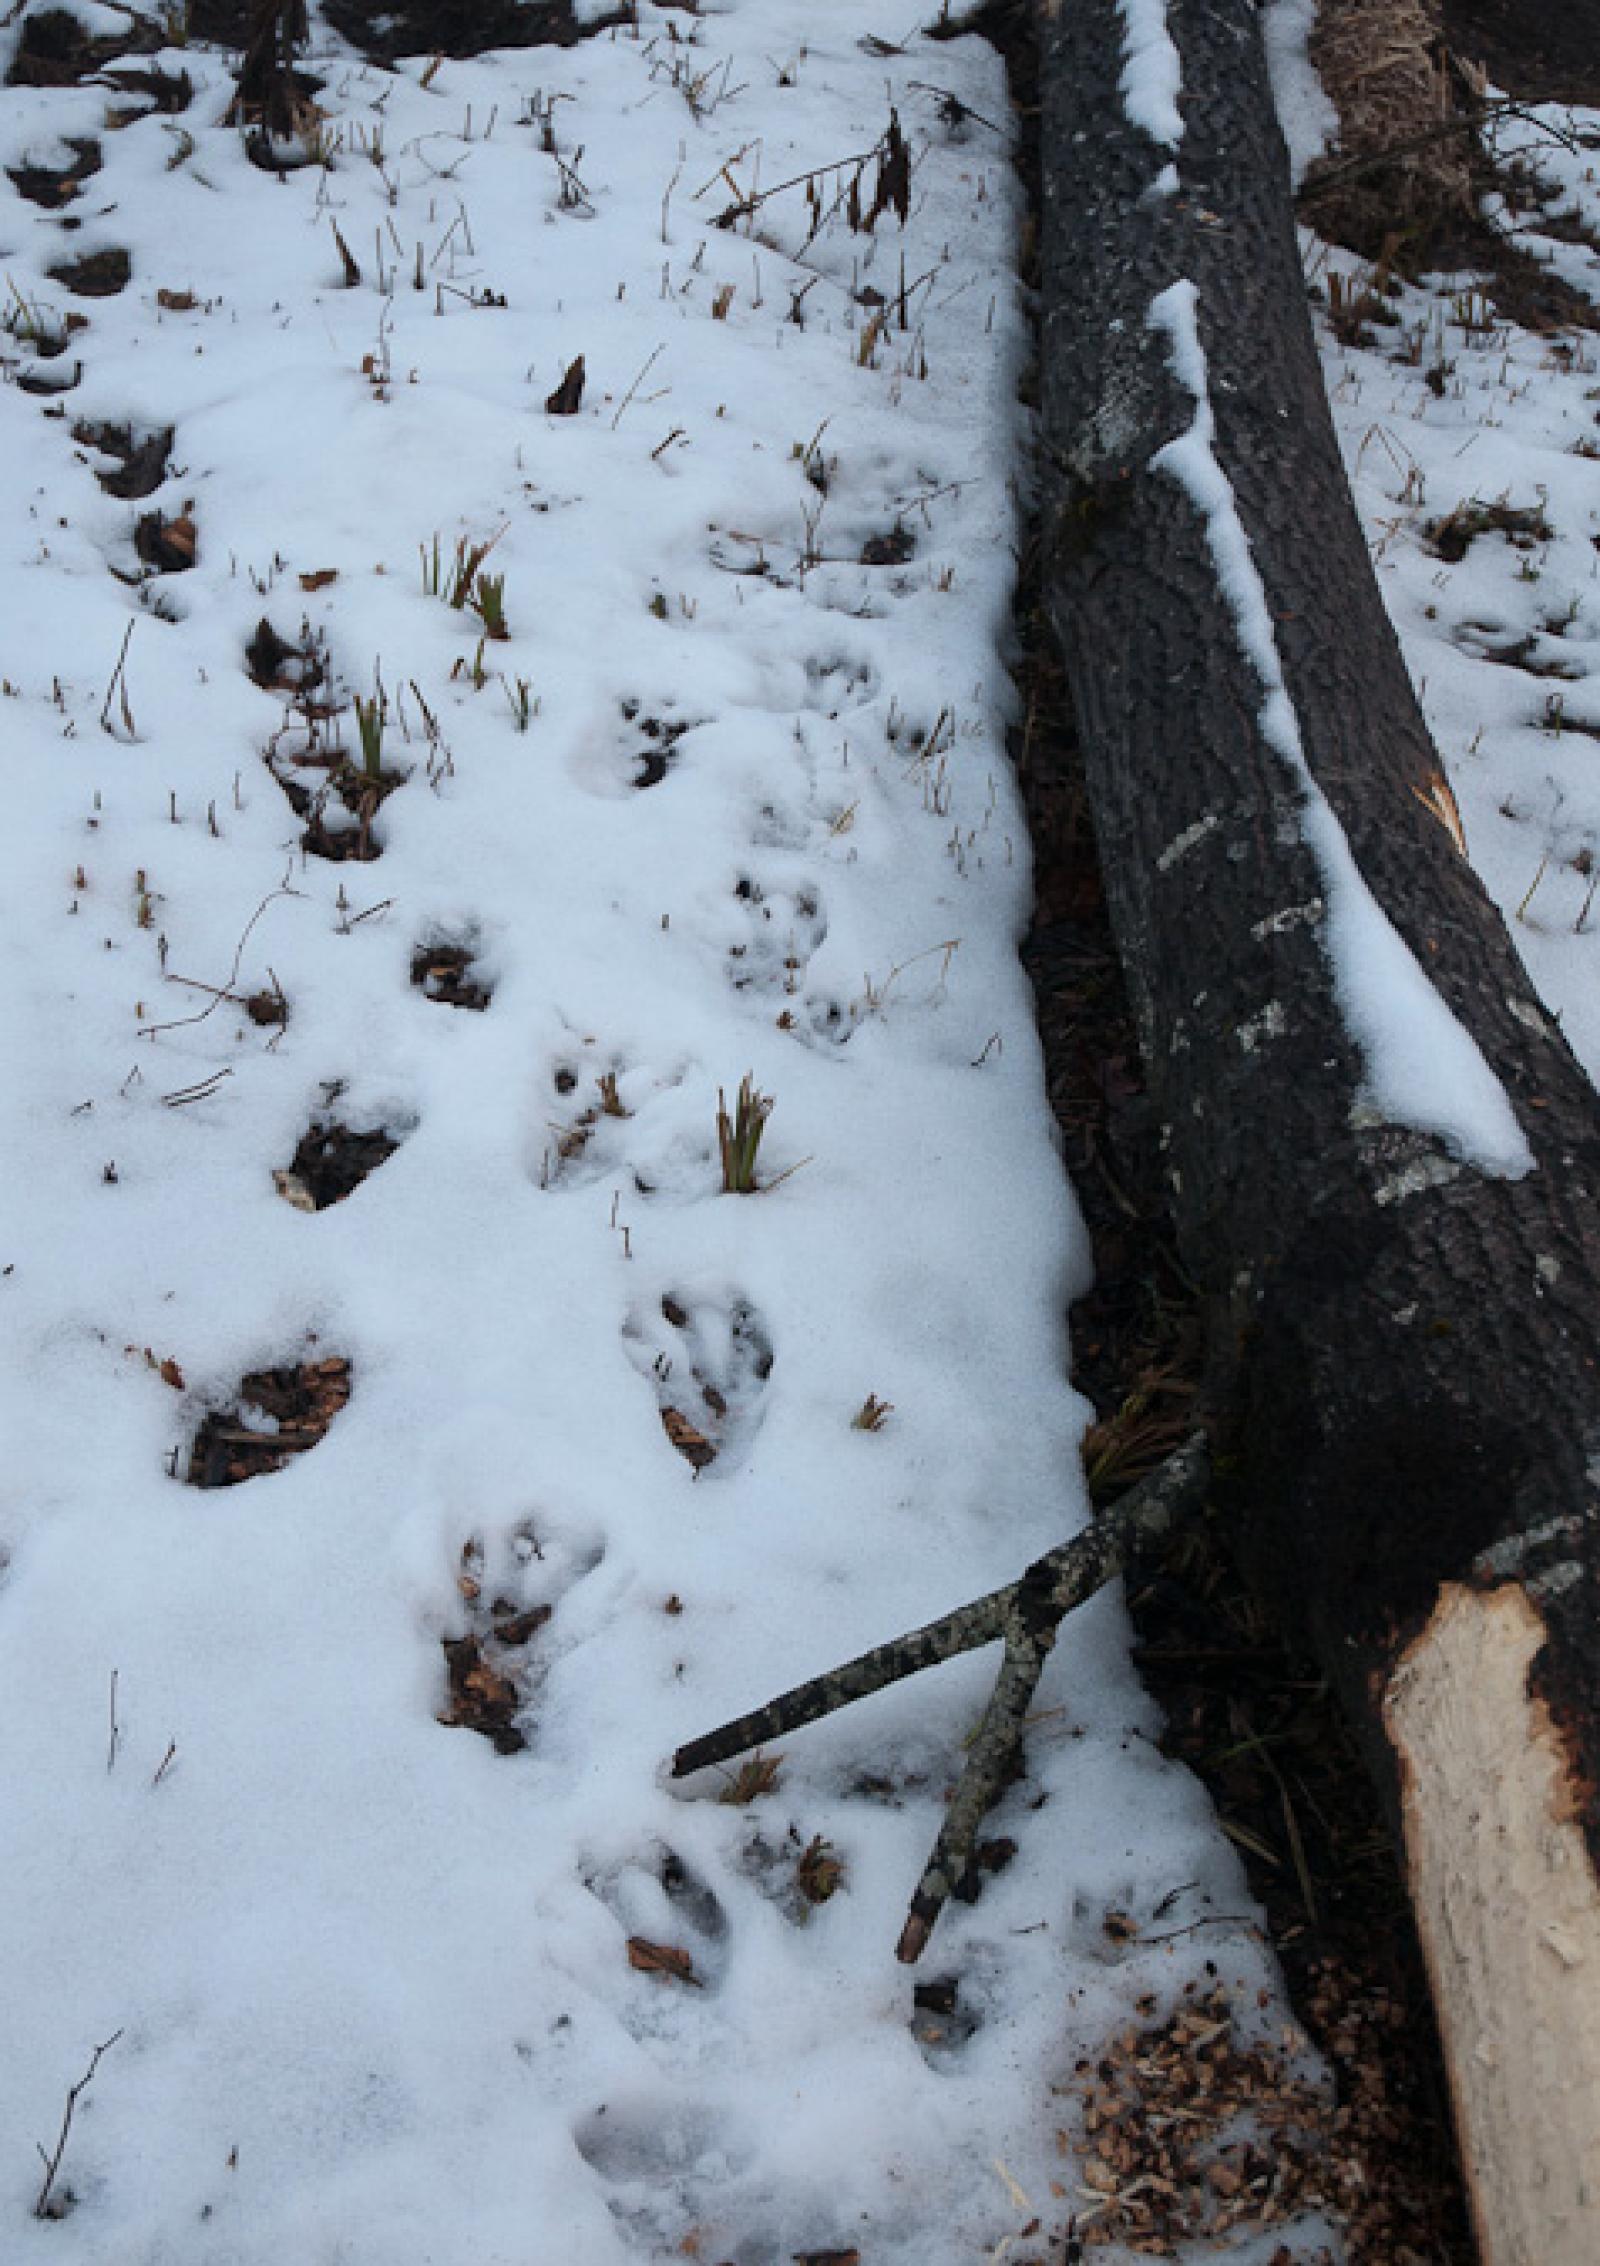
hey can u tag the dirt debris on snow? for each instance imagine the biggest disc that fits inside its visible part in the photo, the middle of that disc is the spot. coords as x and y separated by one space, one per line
444 972
488 1664
330 1162
279 1414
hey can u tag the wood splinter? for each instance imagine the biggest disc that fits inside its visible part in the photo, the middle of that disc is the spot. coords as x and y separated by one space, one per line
1027 1615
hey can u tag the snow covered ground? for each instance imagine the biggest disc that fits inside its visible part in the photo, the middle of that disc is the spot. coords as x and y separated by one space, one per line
482 905
1473 449
334 1789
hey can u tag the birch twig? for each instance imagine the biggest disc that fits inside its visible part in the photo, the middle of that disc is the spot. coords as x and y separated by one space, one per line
1027 1615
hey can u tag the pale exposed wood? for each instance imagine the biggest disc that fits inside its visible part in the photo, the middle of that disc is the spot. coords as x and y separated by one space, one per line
1508 1907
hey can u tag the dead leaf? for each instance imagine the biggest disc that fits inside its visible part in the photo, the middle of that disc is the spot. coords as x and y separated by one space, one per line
168 1370
176 302
481 1699
320 579
664 1959
167 545
567 399
827 2258
818 1874
690 1443
517 1628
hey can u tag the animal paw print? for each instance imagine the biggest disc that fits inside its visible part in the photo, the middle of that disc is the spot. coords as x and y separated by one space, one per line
1543 651
637 750
839 682
507 1589
583 1141
674 1923
651 743
709 1363
798 1873
619 1123
779 931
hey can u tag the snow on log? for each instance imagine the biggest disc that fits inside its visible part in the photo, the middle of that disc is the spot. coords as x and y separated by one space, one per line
1384 1162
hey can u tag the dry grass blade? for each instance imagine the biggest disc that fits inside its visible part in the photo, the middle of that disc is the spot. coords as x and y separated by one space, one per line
758 1774
819 1872
1384 66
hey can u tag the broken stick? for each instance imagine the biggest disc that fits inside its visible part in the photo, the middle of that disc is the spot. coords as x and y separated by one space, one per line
1027 1615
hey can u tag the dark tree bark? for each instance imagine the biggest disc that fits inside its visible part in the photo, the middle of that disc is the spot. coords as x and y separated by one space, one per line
1403 1351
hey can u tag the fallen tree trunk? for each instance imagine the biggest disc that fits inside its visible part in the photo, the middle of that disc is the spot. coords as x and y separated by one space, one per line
1384 1162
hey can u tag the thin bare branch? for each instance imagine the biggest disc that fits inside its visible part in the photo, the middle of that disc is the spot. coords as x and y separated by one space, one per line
1027 1614
45 2206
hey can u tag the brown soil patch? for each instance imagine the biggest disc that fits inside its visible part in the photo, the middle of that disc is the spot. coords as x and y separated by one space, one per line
893 548
339 811
98 275
142 464
49 381
482 1699
444 972
330 1163
56 185
300 1403
1525 527
47 337
273 663
167 546
340 845
388 29
56 50
484 1665
166 92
